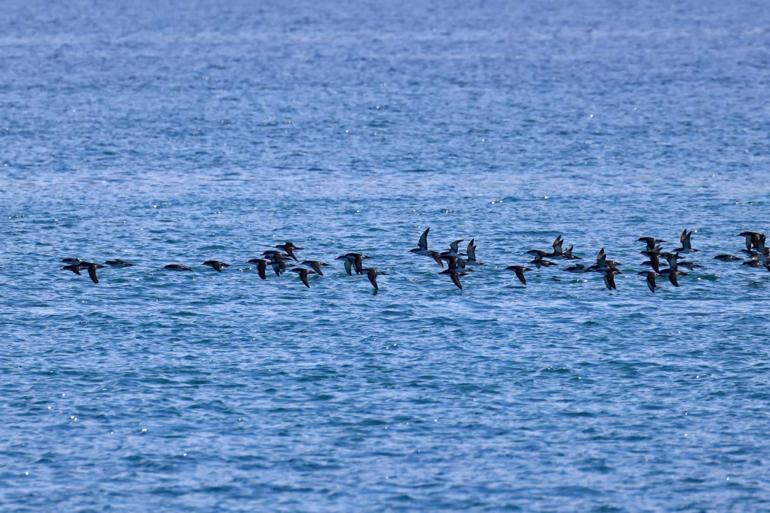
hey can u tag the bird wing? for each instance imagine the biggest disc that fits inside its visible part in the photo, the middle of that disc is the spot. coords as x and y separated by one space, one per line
672 278
520 276
557 245
456 280
423 242
471 251
651 282
261 268
303 277
601 256
655 263
372 275
92 273
609 279
349 267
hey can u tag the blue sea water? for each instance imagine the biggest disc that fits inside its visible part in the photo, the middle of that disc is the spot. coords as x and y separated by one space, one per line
163 132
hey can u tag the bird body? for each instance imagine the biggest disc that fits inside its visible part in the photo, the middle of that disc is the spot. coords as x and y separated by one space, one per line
216 265
177 267
118 263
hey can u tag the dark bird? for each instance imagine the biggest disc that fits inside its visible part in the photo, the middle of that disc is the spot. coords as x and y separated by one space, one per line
454 248
609 278
672 259
538 253
519 270
177 267
686 242
436 256
455 262
602 263
75 268
673 275
653 262
353 261
726 258
455 275
315 265
539 262
70 261
577 268
753 261
303 274
471 252
557 247
261 264
92 267
270 253
655 250
651 242
372 274
422 244
752 238
278 263
567 255
216 265
650 275
288 247
118 263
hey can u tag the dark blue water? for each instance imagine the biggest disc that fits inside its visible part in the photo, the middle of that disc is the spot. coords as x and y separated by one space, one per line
162 132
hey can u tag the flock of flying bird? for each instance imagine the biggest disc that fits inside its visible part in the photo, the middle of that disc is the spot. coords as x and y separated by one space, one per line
456 264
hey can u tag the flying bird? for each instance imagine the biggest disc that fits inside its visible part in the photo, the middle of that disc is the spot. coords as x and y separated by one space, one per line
303 274
422 244
353 261
471 253
315 265
609 278
261 264
372 274
519 270
650 278
289 248
455 275
686 242
216 265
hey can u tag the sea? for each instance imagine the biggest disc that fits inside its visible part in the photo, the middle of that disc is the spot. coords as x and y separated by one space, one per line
185 131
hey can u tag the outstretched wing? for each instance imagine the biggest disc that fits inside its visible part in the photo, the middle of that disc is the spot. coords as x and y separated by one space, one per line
651 282
372 275
471 250
672 277
92 273
423 242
